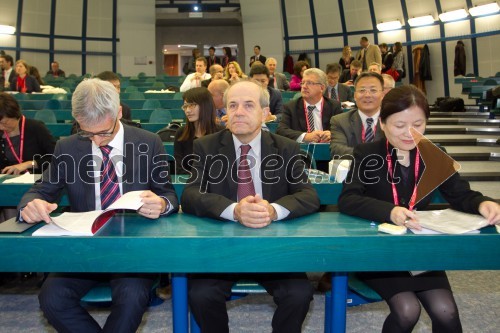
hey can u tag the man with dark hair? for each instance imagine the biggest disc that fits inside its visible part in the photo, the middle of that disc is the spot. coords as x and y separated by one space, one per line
115 81
55 71
335 90
387 57
8 72
212 59
349 75
369 53
257 56
260 74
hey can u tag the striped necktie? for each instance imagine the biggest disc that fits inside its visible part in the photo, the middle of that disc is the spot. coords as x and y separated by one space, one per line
333 94
245 182
310 118
369 136
110 190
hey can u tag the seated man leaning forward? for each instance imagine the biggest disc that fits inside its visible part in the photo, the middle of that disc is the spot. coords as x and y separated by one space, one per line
132 160
244 192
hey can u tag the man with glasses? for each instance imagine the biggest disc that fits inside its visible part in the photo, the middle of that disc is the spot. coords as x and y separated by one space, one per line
335 90
96 166
307 118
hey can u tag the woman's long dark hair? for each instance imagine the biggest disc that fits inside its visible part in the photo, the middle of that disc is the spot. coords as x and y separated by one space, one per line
206 118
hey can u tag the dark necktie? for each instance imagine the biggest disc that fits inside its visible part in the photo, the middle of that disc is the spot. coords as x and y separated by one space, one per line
310 118
333 94
369 136
245 182
110 190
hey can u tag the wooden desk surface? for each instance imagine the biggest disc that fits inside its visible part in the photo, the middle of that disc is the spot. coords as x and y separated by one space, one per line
183 243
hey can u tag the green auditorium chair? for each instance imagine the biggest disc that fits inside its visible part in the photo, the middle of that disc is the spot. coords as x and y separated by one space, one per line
52 104
160 116
46 116
151 104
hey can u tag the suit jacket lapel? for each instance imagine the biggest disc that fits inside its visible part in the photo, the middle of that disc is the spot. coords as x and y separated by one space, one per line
299 108
84 148
268 148
129 151
227 150
356 126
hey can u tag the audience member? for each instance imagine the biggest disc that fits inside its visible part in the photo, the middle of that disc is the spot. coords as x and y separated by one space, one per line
251 199
307 118
335 90
193 80
8 72
369 53
375 67
115 81
55 71
276 80
212 59
348 76
24 83
298 70
347 58
260 74
389 83
233 73
399 60
228 57
33 71
200 121
257 56
191 67
216 73
359 125
102 142
397 157
217 89
459 63
387 57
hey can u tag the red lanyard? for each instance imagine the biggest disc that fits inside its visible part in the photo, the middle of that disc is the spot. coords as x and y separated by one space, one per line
19 157
320 112
394 190
363 132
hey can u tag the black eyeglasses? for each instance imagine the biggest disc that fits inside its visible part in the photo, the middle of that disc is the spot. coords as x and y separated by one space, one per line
88 135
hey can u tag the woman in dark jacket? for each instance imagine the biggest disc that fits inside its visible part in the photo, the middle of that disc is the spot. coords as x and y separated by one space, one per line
24 83
396 164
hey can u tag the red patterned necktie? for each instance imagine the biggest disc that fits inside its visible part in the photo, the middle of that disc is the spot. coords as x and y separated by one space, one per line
110 190
245 182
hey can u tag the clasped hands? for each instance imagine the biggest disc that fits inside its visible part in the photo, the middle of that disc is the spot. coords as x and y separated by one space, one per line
318 136
254 212
39 210
17 169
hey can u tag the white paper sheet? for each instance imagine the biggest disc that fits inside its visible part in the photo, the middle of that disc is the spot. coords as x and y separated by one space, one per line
450 221
26 178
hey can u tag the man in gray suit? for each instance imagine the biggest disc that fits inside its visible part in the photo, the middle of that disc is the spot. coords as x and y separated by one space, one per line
351 128
335 90
278 80
132 158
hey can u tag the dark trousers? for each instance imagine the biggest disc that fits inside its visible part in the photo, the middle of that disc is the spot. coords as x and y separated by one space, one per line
61 293
291 292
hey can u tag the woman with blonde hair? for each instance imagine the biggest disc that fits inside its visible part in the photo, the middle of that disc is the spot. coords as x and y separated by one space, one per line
345 60
24 83
233 72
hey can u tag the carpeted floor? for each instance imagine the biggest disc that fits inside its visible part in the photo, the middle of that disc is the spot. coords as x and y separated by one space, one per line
477 294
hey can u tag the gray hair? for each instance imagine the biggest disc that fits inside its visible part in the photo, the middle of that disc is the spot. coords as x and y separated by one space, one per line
93 101
263 98
319 74
389 79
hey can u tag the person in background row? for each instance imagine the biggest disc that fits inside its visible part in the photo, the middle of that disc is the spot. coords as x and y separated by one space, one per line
257 56
245 195
115 81
387 57
55 71
347 58
389 83
212 59
375 67
36 74
24 83
459 64
193 80
7 71
233 73
399 60
369 53
191 67
398 166
216 73
348 76
260 74
200 121
276 80
335 90
228 57
298 70
103 161
217 89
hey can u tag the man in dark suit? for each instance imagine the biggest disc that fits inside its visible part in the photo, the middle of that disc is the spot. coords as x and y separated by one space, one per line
276 80
348 76
140 163
8 72
260 73
257 56
212 59
216 73
55 71
296 122
349 129
253 195
334 90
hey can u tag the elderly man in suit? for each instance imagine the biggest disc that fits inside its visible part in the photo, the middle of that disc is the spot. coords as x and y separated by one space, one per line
369 53
335 90
359 125
96 166
307 118
254 189
277 80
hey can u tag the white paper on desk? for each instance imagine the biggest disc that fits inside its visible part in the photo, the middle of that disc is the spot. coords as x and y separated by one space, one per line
26 178
81 224
450 221
426 231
